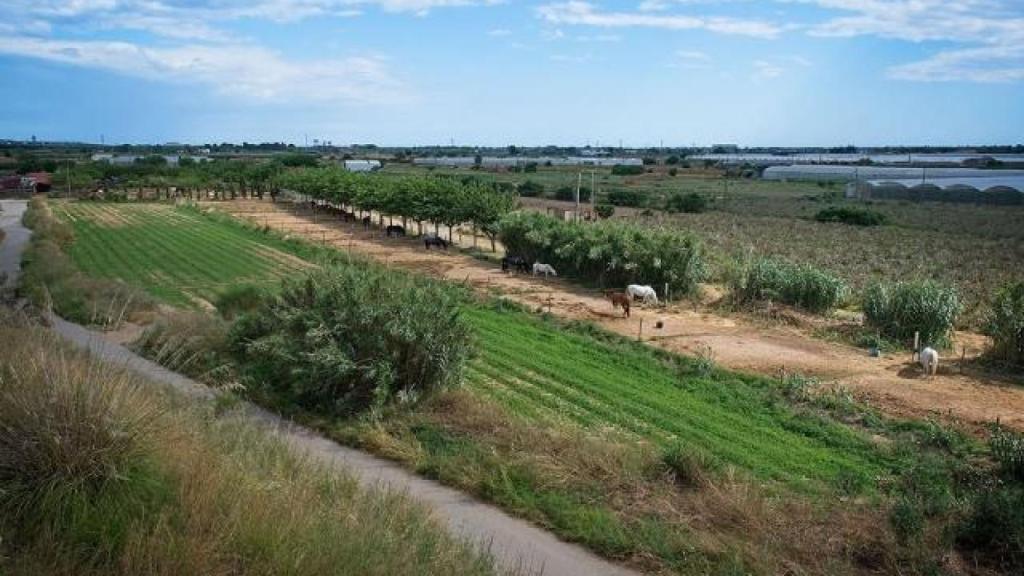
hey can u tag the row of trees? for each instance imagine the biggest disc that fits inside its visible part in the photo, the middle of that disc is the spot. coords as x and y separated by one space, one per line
437 200
608 252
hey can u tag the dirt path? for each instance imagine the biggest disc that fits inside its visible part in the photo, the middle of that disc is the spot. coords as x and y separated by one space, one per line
891 383
13 243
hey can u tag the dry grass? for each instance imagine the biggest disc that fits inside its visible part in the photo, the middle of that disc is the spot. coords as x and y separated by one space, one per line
723 521
100 474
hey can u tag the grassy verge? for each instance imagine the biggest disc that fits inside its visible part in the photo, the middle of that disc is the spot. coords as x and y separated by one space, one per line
138 482
664 462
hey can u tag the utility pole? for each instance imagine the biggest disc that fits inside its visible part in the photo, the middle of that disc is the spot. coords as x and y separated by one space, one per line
593 192
579 182
69 179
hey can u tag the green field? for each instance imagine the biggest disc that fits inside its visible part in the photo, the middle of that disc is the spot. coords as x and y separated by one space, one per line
546 373
534 368
579 430
177 255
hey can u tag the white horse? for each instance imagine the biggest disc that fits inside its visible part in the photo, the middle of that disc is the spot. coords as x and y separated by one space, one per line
545 269
929 359
645 293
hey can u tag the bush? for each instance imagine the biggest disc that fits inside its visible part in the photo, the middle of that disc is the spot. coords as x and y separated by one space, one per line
347 338
1007 448
627 170
994 528
608 252
900 309
238 299
568 194
800 285
631 198
850 215
1006 325
605 211
193 343
691 467
691 203
530 189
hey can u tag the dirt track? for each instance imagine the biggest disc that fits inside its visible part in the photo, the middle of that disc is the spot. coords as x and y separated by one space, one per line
892 383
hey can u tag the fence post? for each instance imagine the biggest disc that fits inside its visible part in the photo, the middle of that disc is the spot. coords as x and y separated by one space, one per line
640 334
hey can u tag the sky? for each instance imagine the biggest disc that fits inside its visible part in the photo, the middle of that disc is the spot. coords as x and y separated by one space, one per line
496 72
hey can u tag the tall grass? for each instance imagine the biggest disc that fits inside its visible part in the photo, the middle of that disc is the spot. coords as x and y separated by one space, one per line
800 285
1006 325
100 475
902 308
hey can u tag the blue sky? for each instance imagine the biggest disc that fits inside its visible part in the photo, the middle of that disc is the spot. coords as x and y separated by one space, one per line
495 72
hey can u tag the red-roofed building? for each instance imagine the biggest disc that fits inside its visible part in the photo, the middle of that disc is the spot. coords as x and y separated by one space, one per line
40 181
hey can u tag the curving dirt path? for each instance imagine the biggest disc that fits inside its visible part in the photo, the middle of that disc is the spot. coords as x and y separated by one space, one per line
516 544
892 383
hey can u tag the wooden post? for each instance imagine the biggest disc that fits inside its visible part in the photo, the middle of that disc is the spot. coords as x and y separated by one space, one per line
917 346
640 333
963 357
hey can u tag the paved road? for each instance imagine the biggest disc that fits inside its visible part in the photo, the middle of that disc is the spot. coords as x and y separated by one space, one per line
515 543
14 242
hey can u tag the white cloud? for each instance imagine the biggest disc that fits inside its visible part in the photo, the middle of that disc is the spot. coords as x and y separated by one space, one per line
765 70
990 34
245 71
499 32
987 64
691 60
653 6
577 12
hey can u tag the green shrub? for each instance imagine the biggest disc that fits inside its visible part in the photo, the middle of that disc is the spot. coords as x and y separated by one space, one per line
238 299
193 343
605 211
1007 448
993 531
627 170
632 198
347 338
530 189
851 215
568 194
691 203
610 252
898 310
1006 325
690 466
800 285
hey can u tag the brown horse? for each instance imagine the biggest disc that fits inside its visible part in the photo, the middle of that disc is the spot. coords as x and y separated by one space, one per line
619 299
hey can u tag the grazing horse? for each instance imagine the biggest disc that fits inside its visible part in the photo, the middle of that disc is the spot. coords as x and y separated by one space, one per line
366 222
645 293
394 230
619 299
434 240
545 269
519 264
929 359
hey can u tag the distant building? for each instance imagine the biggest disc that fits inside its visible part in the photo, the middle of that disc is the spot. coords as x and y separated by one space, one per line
38 181
129 159
362 165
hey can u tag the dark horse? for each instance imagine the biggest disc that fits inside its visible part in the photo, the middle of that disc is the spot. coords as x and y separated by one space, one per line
520 264
433 240
394 230
619 299
366 222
